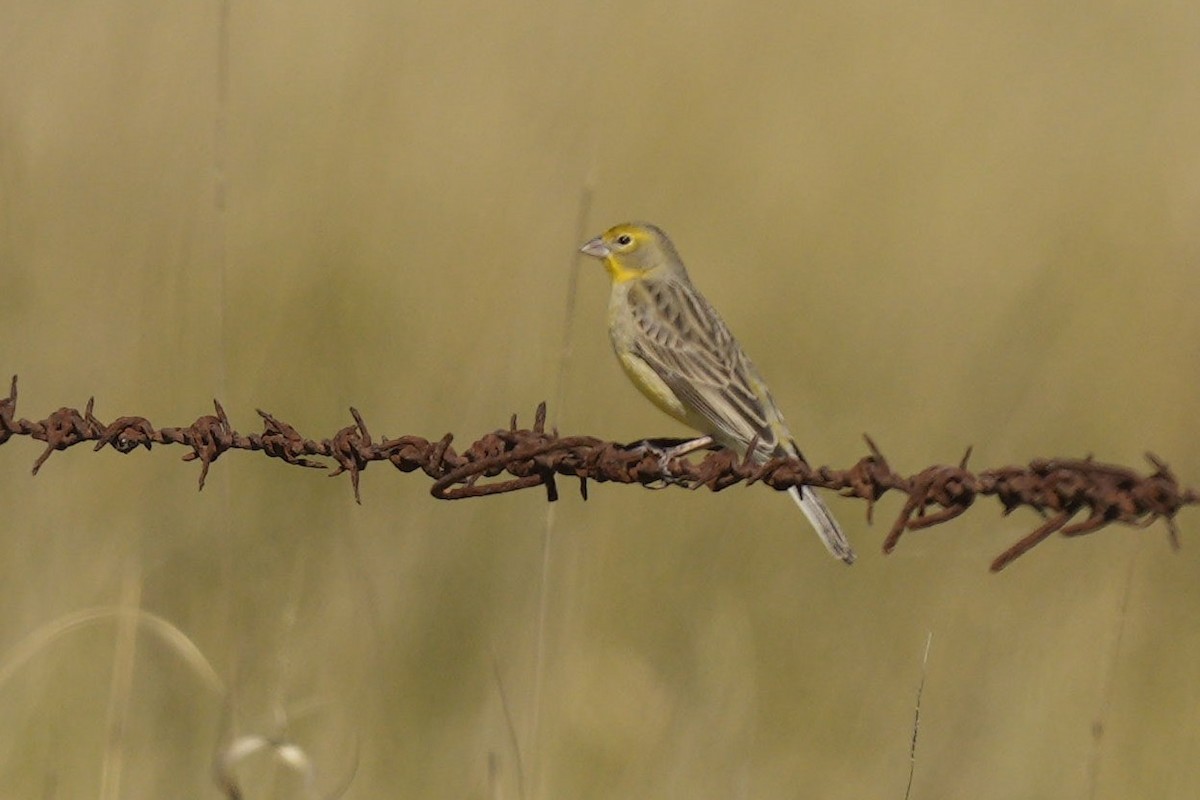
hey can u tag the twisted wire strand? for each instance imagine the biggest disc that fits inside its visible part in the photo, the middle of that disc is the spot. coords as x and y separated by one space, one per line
515 458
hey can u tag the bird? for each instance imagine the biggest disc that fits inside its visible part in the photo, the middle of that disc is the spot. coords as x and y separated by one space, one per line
679 352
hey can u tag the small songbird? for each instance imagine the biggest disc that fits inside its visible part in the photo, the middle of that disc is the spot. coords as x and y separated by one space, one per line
678 351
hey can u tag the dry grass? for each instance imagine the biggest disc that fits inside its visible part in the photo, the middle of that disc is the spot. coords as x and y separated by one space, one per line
974 224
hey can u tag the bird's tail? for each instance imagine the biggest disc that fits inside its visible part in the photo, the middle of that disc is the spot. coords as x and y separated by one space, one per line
823 522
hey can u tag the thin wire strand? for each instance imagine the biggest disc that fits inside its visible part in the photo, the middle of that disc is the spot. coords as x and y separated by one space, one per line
1060 489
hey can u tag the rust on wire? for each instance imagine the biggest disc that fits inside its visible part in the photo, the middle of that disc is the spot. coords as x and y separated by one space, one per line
516 458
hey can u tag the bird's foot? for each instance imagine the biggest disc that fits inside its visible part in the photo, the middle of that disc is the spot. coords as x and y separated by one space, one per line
666 455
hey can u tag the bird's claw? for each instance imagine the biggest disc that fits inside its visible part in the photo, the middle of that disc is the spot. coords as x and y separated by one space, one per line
664 456
669 478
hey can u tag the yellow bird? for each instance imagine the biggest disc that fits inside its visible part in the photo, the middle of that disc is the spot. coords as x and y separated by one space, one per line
678 351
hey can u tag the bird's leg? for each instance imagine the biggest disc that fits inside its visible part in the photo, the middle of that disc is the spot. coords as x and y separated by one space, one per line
681 450
667 454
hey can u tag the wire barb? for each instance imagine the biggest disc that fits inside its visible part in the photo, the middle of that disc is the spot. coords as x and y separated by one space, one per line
515 458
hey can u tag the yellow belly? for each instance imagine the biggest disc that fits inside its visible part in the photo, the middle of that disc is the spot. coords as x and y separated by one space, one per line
649 384
647 380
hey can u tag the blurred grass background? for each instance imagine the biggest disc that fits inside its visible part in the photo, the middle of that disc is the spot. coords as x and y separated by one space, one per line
941 224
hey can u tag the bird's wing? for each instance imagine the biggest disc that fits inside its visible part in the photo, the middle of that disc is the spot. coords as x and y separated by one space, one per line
690 348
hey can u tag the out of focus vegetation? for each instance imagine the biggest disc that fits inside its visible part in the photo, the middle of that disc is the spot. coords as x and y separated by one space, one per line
941 224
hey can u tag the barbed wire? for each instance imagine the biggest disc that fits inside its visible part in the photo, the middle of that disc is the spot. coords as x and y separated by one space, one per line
1058 488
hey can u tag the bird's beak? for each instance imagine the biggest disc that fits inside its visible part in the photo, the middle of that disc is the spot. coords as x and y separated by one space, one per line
596 248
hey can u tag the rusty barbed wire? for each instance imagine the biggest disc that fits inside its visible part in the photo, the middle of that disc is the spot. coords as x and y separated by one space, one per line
1060 489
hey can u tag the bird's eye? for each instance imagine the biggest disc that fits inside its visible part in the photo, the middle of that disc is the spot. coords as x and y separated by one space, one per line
624 240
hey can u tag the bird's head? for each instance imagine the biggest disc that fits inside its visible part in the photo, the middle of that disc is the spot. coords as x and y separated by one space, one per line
633 250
